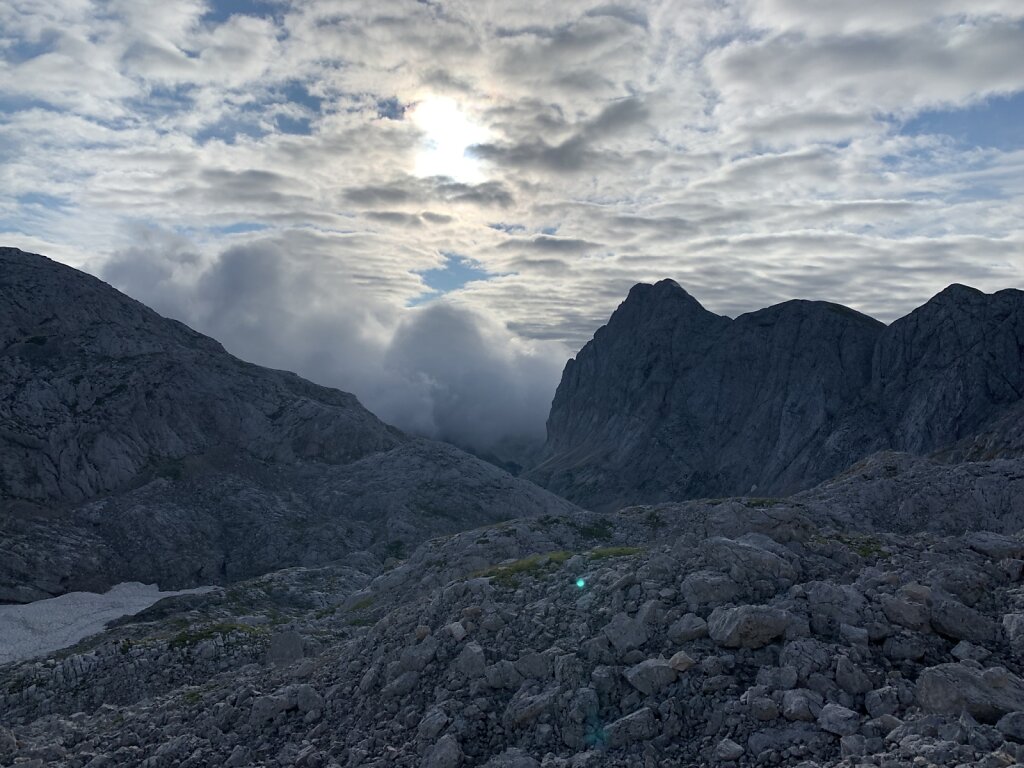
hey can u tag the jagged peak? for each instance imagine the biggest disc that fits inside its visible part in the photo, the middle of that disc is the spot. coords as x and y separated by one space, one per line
663 290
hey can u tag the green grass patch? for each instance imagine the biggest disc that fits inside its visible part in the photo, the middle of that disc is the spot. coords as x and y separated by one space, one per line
363 604
190 637
604 552
758 502
599 529
509 574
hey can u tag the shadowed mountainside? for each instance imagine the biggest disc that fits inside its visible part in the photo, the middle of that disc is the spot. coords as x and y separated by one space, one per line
134 448
670 401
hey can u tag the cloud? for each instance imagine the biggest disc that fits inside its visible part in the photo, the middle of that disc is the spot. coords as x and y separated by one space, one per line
441 370
254 173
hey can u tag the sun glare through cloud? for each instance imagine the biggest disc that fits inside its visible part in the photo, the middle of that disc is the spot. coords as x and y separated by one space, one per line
448 137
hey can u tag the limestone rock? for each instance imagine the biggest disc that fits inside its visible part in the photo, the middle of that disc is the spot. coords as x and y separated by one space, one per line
986 694
802 390
747 626
651 675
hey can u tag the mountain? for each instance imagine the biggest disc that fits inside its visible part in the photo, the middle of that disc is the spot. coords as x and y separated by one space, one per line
669 401
134 448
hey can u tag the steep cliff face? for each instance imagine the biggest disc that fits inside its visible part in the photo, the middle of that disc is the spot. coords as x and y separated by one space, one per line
949 367
96 390
134 448
670 401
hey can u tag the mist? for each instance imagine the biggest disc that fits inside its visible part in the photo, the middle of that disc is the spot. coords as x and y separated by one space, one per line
437 370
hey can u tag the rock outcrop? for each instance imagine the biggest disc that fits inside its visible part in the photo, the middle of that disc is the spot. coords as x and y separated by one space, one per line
670 401
135 449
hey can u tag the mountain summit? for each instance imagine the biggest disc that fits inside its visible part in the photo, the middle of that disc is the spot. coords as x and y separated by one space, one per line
670 401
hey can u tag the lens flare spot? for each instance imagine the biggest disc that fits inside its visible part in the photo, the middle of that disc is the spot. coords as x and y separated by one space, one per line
581 583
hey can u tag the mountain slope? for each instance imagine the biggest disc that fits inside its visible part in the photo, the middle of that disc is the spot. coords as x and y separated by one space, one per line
133 448
669 401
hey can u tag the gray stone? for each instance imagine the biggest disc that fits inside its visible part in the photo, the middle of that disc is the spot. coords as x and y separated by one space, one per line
801 704
267 708
954 619
285 648
986 694
470 662
748 626
651 676
1012 726
402 685
838 720
882 701
625 633
308 700
728 751
446 753
689 627
240 756
636 726
850 677
431 724
512 758
994 545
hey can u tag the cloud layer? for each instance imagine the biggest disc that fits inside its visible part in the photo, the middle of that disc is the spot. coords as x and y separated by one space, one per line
258 170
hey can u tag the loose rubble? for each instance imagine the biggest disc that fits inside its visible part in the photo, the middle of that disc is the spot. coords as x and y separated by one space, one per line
733 633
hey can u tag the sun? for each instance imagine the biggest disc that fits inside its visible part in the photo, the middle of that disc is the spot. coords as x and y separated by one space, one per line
447 135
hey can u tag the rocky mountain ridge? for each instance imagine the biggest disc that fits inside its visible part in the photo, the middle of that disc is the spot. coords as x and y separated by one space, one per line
135 449
670 401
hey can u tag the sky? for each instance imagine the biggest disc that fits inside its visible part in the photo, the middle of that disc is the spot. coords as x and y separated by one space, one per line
433 204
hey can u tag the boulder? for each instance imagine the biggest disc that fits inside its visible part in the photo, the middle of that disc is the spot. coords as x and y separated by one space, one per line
636 726
651 676
446 753
728 751
1012 726
838 720
986 694
748 626
689 627
625 633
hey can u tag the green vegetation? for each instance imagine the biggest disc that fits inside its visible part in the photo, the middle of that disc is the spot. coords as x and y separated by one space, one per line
509 574
758 502
192 697
363 604
604 552
599 529
653 520
193 636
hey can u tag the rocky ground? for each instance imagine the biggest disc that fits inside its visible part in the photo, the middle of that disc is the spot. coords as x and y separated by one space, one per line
749 633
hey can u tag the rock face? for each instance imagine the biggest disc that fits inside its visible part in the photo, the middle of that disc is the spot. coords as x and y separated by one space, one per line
670 401
135 449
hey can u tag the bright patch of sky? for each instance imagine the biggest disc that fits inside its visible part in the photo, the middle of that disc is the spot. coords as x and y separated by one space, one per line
457 272
996 122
